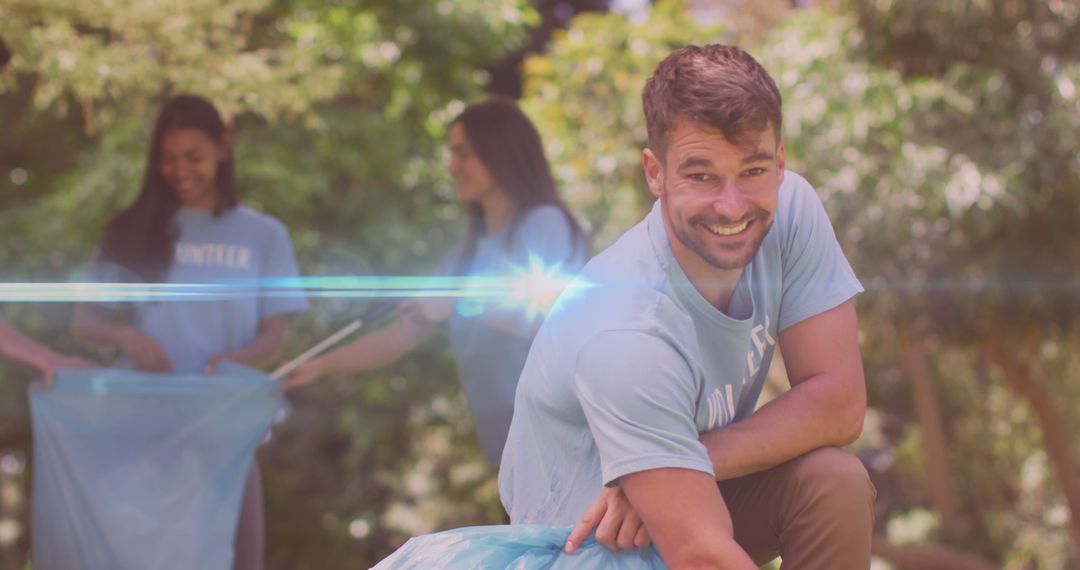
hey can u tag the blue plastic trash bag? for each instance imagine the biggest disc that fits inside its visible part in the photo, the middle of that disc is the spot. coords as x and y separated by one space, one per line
144 471
513 547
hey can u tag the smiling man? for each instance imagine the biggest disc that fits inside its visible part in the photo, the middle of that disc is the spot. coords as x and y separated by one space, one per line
636 413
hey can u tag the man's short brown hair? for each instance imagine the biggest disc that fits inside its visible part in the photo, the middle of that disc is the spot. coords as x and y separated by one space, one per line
720 86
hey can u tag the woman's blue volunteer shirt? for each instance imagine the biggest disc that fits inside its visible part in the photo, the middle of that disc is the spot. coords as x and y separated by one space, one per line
626 373
241 244
489 360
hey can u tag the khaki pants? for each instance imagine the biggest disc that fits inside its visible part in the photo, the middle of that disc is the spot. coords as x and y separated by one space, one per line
250 528
815 511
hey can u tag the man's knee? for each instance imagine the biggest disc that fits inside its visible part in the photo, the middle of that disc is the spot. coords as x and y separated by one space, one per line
833 478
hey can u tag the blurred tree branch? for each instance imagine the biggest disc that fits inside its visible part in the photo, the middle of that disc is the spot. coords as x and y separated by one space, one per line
5 55
927 557
939 476
1023 377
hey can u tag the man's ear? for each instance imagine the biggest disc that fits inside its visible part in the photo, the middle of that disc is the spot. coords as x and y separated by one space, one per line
654 172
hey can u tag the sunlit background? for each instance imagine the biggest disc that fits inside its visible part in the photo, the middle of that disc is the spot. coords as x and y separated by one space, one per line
941 134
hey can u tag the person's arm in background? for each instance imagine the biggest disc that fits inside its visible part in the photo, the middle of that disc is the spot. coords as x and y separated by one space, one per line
90 326
514 321
94 325
547 258
262 350
277 260
19 349
510 320
524 318
372 351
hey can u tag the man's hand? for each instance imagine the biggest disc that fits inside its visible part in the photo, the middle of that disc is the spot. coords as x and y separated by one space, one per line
145 353
617 526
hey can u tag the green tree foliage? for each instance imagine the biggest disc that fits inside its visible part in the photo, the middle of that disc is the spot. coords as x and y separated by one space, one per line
930 182
104 55
340 111
269 58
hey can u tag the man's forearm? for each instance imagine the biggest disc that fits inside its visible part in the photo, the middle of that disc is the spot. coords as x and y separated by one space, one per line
814 413
687 518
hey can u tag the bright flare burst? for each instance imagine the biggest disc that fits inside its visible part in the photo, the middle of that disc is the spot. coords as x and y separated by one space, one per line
536 287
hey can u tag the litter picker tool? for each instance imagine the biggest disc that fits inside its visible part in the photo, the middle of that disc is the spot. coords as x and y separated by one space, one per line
374 314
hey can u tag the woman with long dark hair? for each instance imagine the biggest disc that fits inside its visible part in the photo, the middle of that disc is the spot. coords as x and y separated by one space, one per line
187 226
515 215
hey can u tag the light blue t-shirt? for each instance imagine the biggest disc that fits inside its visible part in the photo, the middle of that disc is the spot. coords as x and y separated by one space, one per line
241 244
629 370
488 360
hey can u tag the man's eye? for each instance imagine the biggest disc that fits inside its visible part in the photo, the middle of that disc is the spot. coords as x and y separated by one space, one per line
755 172
699 177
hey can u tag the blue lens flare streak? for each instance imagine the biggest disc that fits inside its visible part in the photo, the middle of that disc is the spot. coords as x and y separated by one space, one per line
532 288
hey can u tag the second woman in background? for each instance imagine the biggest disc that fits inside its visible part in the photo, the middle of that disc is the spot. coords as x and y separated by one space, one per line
515 215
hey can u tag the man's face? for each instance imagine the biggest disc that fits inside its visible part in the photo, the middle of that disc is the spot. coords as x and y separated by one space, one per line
718 198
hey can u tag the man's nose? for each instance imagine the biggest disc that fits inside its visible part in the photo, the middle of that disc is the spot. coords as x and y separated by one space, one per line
729 202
